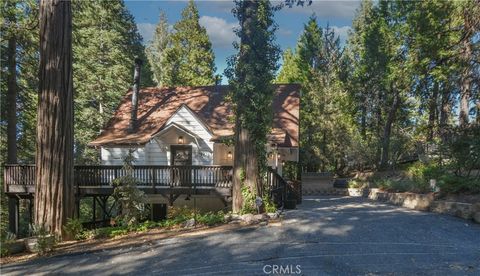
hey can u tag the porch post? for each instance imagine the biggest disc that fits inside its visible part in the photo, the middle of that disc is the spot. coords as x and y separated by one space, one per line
13 214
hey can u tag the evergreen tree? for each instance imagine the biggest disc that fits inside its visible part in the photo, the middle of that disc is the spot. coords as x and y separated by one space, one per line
106 42
250 74
190 59
157 48
289 72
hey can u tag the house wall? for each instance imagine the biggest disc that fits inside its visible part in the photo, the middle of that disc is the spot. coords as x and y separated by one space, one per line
115 156
220 154
157 151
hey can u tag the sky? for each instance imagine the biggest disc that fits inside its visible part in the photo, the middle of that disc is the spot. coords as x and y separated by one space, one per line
216 17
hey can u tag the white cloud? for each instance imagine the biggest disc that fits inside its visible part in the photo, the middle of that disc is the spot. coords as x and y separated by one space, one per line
342 32
146 30
327 9
219 30
284 32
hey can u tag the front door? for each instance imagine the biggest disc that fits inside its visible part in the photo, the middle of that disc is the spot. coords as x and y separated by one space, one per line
181 159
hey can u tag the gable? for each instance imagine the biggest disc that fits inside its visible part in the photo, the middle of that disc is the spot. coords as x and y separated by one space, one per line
157 107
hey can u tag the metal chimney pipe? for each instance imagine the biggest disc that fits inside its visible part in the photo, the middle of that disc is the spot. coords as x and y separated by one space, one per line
135 92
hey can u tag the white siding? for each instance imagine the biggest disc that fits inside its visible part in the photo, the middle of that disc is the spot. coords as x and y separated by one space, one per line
115 156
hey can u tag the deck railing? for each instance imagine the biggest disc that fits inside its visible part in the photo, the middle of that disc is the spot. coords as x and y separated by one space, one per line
97 176
278 187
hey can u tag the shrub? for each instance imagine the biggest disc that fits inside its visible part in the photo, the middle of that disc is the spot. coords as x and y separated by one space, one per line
453 184
45 241
211 218
356 183
5 239
74 228
132 199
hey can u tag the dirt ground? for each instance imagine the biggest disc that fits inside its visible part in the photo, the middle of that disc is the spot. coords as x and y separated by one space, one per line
130 240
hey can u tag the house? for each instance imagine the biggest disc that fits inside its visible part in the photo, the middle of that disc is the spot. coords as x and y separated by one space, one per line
191 126
191 130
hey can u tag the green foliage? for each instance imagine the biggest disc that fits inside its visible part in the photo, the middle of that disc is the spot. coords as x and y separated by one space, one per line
189 60
211 218
131 199
248 206
251 73
45 241
74 228
454 184
289 72
5 239
105 43
156 51
356 183
268 204
291 170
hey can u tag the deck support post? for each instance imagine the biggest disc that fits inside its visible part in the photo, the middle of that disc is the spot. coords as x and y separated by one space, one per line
94 211
13 214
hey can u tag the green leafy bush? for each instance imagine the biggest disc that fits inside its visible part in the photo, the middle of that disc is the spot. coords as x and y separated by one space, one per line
356 183
453 184
132 199
74 228
5 239
211 218
45 241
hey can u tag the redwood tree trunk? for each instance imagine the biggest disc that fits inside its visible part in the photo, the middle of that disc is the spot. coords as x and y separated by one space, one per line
12 100
54 156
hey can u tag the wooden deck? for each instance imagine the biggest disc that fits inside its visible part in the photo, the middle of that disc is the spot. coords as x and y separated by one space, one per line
19 180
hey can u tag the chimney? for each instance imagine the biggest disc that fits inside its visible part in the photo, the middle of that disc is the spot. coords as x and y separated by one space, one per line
135 92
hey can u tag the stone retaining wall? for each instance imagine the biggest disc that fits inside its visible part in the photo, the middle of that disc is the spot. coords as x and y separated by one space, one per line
427 202
421 202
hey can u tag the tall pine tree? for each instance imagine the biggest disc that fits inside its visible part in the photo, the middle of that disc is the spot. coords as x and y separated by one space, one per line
190 59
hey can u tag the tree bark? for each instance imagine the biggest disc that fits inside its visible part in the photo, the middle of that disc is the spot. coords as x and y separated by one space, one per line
466 79
238 167
11 99
388 129
54 198
432 112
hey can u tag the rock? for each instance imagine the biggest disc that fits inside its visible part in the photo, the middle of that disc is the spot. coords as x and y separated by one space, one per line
248 218
273 215
227 217
263 223
189 223
476 207
476 217
260 217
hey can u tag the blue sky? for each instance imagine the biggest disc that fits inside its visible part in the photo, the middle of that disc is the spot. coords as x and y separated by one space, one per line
216 17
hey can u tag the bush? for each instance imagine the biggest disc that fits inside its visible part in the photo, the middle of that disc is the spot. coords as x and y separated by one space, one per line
5 239
74 228
211 218
453 184
356 183
132 200
45 241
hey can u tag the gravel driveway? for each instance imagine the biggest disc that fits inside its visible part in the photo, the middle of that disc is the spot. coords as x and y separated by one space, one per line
324 236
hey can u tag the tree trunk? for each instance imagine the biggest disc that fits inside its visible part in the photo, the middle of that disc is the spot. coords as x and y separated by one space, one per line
238 167
465 79
11 99
432 112
388 129
54 196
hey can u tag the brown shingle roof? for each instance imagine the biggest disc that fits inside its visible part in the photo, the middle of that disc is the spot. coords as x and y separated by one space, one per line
157 105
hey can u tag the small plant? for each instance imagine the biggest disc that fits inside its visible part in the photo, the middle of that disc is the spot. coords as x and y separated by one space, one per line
355 183
269 205
211 218
132 199
6 239
248 201
74 228
43 241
